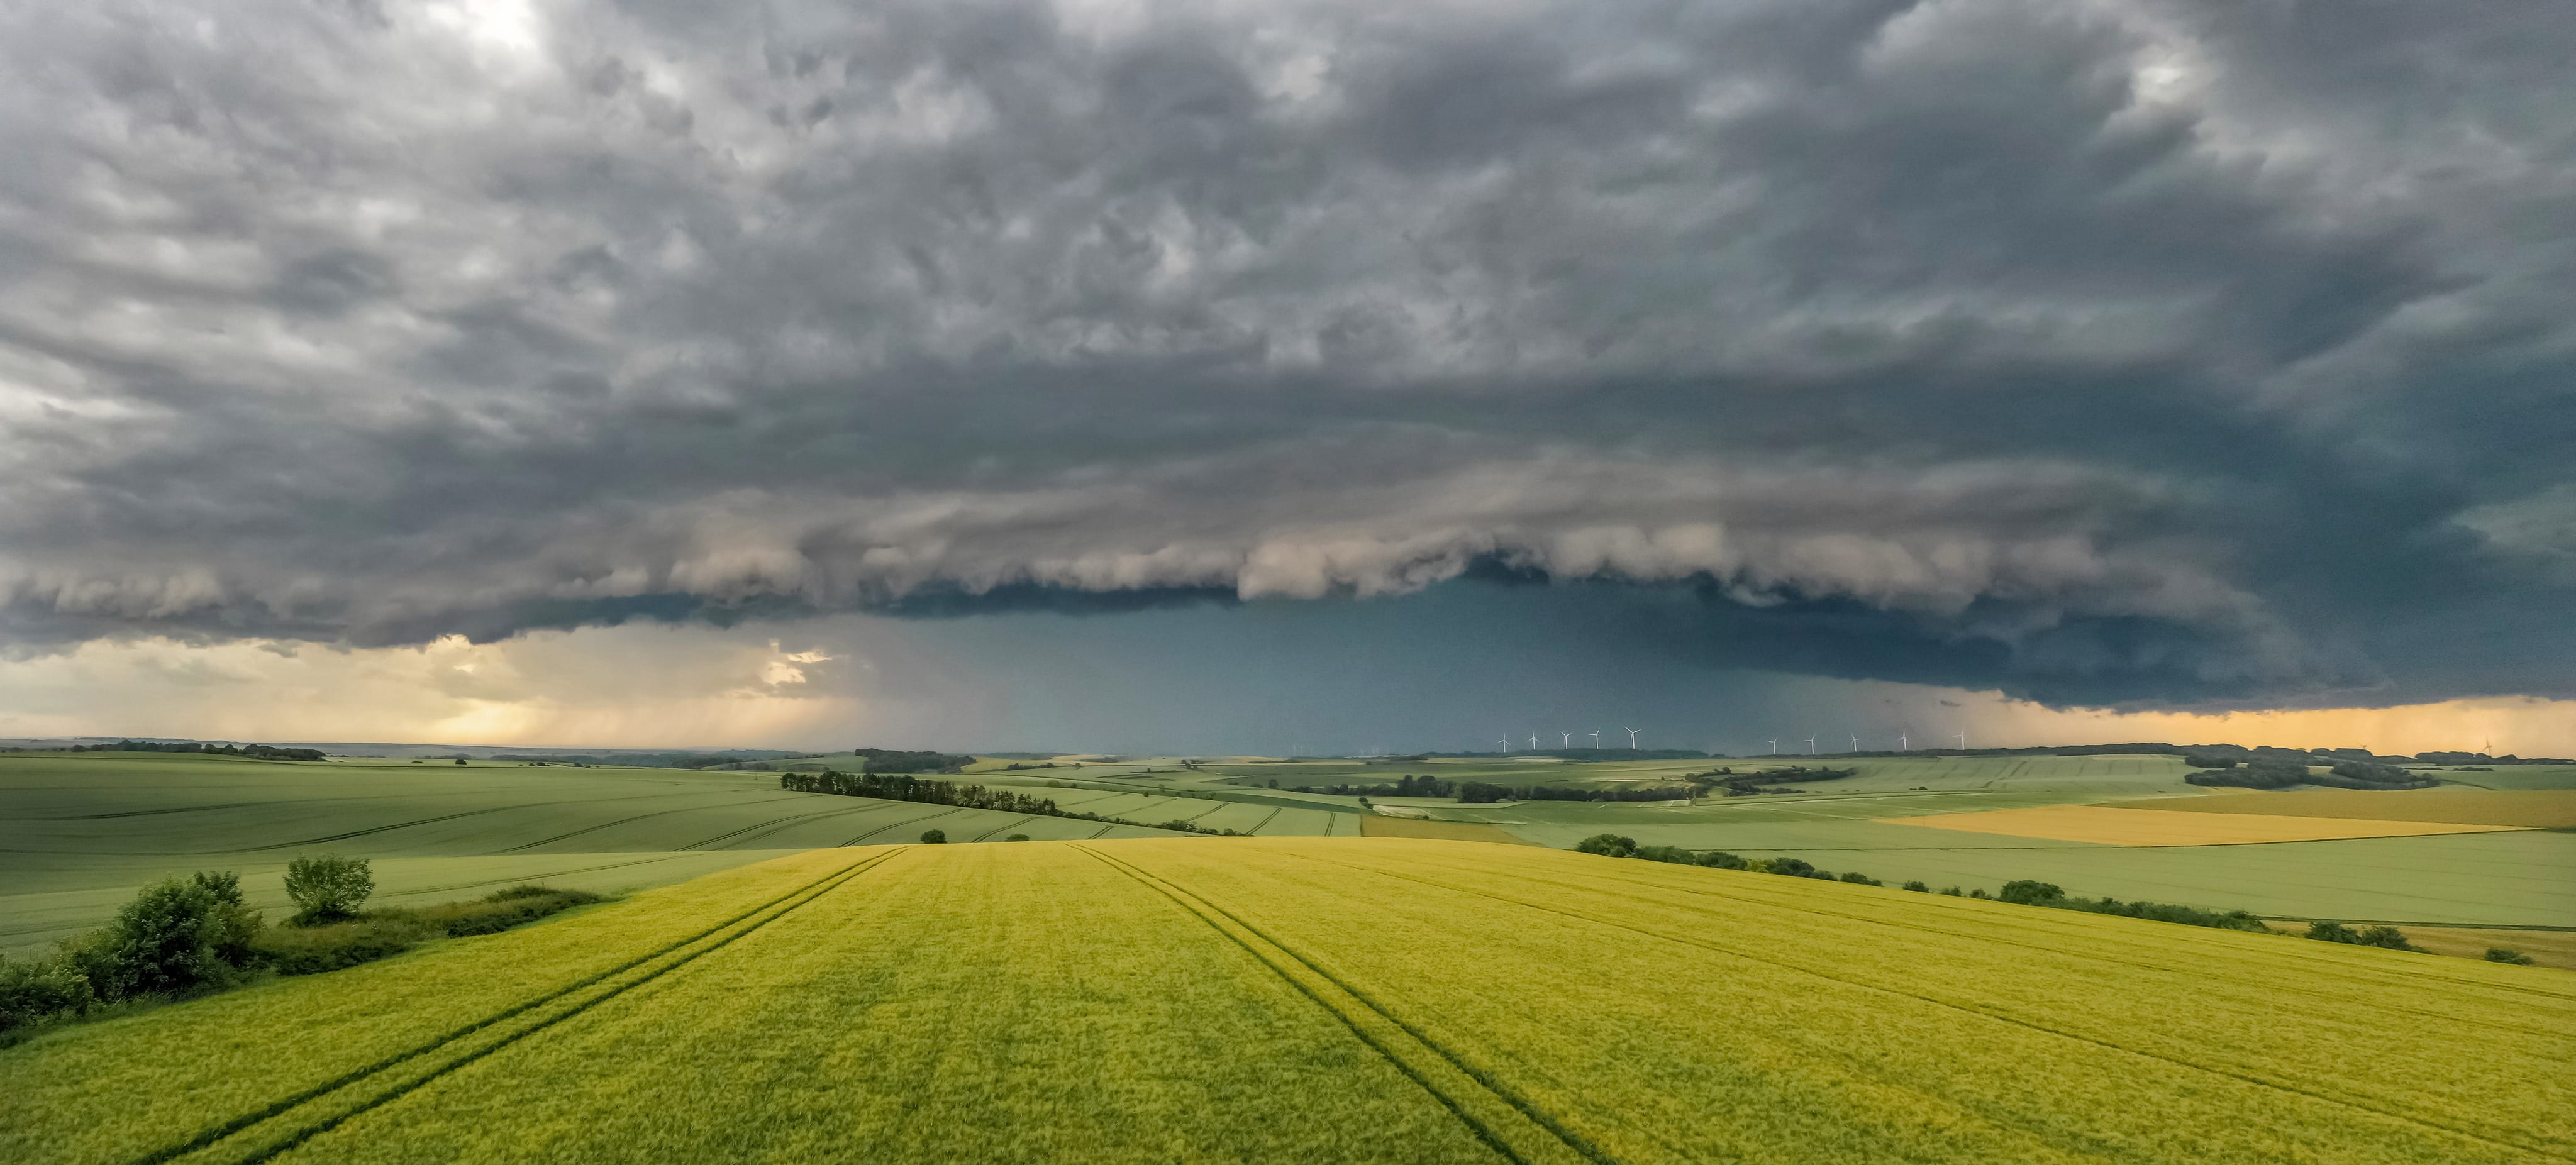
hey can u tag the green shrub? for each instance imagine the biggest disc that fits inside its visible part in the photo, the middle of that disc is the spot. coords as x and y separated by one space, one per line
383 933
1607 845
1952 891
1918 887
934 837
1663 853
2387 937
2331 932
176 936
36 989
1860 879
1792 867
2503 955
328 888
1721 860
1025 837
2029 893
1979 893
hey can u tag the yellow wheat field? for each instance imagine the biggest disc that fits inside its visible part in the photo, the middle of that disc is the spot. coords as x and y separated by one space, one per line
1324 1000
2532 808
2104 825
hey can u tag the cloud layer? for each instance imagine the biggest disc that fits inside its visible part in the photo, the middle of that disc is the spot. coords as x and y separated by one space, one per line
2142 353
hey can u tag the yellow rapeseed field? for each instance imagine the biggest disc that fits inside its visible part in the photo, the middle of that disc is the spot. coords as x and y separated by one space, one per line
1318 1000
2104 825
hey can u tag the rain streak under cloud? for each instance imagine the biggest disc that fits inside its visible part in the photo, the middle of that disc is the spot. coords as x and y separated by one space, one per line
2167 357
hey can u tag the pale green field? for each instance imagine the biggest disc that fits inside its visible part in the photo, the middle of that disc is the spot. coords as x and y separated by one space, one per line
79 832
1324 1000
2515 879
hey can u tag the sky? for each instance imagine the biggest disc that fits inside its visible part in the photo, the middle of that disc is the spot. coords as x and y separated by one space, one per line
1237 377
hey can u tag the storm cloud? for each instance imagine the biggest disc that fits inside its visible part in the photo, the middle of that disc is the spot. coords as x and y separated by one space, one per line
2137 353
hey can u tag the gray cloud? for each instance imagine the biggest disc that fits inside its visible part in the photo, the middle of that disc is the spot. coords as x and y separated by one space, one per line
2116 352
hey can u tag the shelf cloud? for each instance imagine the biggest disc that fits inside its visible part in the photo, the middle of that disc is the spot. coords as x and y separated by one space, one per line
2141 354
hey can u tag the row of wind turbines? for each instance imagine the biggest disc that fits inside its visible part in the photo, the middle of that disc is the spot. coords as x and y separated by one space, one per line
1506 742
1903 743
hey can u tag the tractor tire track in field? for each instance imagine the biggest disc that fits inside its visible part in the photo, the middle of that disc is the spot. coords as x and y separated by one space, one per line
900 824
2166 968
623 820
208 1141
442 817
1535 1136
1005 825
1968 1009
759 829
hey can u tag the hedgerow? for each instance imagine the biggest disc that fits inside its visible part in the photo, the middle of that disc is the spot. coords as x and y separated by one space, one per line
896 787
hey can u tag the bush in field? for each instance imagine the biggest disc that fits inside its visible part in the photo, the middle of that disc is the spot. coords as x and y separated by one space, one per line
1017 837
934 837
2504 955
1918 887
1857 878
1663 853
176 936
2206 761
1721 860
328 888
2387 937
1607 845
1793 867
35 989
2029 893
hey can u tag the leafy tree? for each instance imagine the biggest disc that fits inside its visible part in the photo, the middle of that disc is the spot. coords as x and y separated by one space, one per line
934 837
328 888
1017 837
2504 955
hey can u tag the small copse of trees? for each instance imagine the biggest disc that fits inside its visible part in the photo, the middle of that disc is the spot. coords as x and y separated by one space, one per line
923 790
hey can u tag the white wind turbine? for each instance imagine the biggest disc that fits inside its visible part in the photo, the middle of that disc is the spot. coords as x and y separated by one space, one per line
1632 739
1775 746
1569 740
1596 738
1900 742
1507 744
1811 746
1855 742
1963 740
1533 742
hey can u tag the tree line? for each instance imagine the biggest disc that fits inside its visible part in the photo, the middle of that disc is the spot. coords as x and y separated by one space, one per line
253 751
926 791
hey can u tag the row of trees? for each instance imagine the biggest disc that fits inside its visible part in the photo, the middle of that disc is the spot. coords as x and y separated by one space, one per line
898 787
253 751
2273 772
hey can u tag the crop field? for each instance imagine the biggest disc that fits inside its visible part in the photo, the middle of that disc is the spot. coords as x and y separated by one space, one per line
79 832
1302 999
2536 809
2106 825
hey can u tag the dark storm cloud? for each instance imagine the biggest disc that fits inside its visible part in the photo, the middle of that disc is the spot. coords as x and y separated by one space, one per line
2153 353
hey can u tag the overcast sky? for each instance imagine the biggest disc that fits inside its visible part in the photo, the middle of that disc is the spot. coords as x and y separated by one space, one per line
1224 377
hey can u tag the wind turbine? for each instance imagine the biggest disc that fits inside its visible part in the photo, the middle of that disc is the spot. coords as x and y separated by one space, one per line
1569 739
1811 746
1507 744
1596 738
1963 740
1855 743
1533 742
1632 739
1900 742
1775 746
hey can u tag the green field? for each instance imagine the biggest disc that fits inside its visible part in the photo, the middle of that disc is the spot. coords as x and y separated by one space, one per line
1323 999
2510 879
79 832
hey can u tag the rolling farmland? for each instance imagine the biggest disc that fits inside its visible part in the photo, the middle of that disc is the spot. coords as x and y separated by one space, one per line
80 831
1304 998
